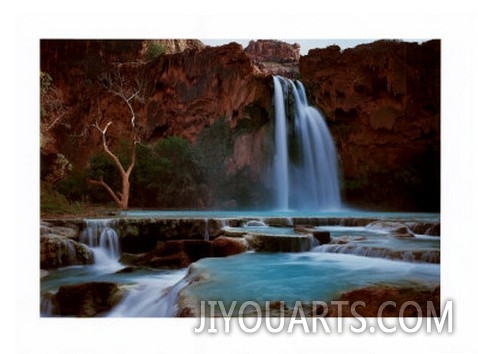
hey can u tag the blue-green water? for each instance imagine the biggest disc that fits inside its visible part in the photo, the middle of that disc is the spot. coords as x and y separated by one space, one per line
357 256
304 277
342 213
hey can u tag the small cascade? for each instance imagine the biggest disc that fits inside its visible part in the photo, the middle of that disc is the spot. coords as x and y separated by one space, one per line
305 161
420 256
155 298
255 223
103 240
46 305
206 230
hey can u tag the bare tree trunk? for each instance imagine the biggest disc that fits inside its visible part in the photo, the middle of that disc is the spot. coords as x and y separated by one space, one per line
121 198
127 91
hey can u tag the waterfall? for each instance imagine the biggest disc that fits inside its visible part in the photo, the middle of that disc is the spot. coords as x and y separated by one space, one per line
153 297
305 161
103 240
281 159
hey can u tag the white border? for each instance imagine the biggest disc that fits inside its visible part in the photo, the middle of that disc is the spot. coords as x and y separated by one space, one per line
454 25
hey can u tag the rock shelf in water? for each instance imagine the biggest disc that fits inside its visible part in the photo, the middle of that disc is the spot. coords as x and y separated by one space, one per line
140 235
279 243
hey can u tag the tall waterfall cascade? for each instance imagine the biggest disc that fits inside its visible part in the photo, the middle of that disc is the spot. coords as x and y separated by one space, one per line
305 165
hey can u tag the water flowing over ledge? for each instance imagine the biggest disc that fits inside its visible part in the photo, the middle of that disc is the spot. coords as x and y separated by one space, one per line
305 161
360 244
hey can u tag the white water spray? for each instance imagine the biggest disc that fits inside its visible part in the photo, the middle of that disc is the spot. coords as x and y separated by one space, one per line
103 240
307 177
281 158
153 297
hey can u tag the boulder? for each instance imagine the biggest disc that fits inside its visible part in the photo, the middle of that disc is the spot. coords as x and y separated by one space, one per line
174 254
375 296
86 299
322 236
227 246
181 253
57 251
278 222
67 230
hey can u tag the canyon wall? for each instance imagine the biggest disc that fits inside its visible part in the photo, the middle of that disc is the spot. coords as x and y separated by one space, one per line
381 102
182 92
185 91
275 57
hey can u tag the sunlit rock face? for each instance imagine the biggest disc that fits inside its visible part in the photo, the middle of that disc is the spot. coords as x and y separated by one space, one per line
275 57
172 46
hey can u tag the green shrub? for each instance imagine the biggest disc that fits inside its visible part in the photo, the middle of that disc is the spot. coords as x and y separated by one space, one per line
75 186
154 50
167 175
52 201
214 146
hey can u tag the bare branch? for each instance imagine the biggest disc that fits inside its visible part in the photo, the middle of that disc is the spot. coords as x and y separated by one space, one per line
105 145
119 87
128 91
53 108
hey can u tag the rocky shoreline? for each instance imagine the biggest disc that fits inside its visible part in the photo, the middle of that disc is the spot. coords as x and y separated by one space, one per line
185 240
167 243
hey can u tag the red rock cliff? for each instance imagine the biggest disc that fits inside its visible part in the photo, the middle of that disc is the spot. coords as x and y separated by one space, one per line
275 57
382 103
183 92
189 92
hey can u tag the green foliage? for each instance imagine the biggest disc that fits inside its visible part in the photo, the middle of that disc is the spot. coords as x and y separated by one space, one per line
75 186
51 201
154 50
45 82
101 166
214 146
167 175
171 173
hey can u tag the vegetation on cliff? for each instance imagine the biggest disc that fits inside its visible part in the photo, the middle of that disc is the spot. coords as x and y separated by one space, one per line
203 122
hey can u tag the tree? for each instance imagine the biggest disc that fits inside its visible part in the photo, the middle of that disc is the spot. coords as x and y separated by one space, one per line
53 108
128 90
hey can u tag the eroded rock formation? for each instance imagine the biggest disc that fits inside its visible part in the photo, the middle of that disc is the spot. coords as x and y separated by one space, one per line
86 299
181 253
275 57
191 91
183 92
59 247
382 103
